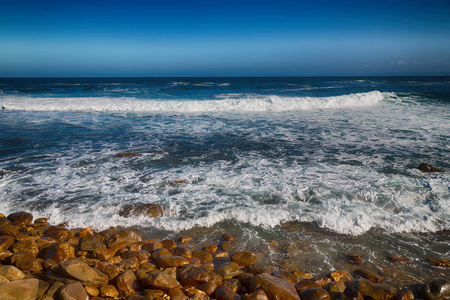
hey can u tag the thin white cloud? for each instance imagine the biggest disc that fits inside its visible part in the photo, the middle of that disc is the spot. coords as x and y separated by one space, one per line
400 63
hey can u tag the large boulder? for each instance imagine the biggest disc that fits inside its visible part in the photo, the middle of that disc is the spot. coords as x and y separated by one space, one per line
71 291
78 270
375 291
20 218
426 168
195 276
144 209
228 270
11 272
275 287
127 283
5 242
437 290
126 235
19 289
59 252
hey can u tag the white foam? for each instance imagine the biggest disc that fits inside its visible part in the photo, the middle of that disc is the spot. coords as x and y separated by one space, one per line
247 104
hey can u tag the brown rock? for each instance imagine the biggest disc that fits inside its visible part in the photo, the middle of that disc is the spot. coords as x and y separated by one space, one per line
44 242
202 256
165 261
92 290
314 294
286 275
376 291
438 289
141 255
229 237
209 288
226 293
159 280
257 269
60 235
4 254
124 235
71 291
20 255
112 271
49 264
19 289
341 275
6 242
211 249
75 269
168 244
244 258
426 168
181 251
21 219
226 246
127 283
440 262
91 244
109 291
3 279
302 275
147 209
59 252
233 284
152 246
195 276
11 230
258 295
11 272
323 281
399 259
194 293
4 221
127 154
129 264
27 246
274 287
160 252
306 284
41 221
245 278
228 270
53 288
369 275
355 259
33 265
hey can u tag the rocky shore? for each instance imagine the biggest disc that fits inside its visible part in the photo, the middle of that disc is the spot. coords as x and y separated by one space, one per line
43 261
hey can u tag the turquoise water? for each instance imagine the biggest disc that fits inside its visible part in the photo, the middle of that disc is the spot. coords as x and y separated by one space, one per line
286 159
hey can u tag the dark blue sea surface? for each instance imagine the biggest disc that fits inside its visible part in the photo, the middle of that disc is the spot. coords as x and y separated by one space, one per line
325 166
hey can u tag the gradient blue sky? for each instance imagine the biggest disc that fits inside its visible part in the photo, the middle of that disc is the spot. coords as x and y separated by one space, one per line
224 38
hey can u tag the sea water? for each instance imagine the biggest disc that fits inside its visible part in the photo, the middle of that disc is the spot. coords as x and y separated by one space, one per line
303 170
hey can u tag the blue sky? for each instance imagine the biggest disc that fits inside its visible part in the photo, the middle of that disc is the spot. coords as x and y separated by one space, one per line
224 38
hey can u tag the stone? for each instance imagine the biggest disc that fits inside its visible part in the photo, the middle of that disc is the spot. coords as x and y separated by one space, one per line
181 251
126 235
228 270
159 280
399 259
306 284
258 295
91 244
109 291
12 273
244 258
75 269
226 293
229 237
44 242
42 288
323 281
168 244
140 255
274 287
194 294
152 246
127 283
4 254
4 221
314 293
286 275
20 255
19 289
440 262
11 230
226 246
356 259
71 291
438 289
336 287
233 284
147 210
369 275
195 276
60 235
211 249
341 275
257 269
6 242
92 290
129 264
21 218
302 275
112 271
41 221
209 288
26 245
202 256
53 288
165 261
33 265
376 291
3 279
245 278
426 168
59 252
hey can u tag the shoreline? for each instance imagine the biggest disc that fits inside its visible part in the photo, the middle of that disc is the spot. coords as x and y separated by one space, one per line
44 261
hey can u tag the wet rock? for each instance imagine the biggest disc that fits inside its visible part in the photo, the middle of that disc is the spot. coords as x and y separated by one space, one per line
112 271
19 289
195 276
376 291
152 246
72 291
147 210
314 294
399 259
244 258
356 259
336 289
127 154
20 255
159 280
274 287
226 246
141 255
42 288
440 262
229 237
257 269
109 291
4 221
33 265
6 242
129 264
286 275
211 249
165 261
74 269
428 168
127 283
306 284
226 293
341 275
11 272
228 270
11 230
20 219
369 275
181 251
437 290
302 275
60 235
194 294
91 245
26 246
59 252
168 244
233 284
202 256
92 290
209 288
126 235
323 281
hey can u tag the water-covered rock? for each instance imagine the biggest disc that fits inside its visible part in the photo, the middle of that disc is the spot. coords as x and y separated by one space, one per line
367 288
369 275
21 218
436 290
145 209
428 168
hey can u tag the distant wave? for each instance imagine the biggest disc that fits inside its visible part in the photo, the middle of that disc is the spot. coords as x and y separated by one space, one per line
271 103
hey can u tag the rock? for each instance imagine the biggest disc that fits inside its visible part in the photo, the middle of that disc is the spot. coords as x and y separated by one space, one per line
211 249
165 261
257 269
6 242
440 262
194 294
112 271
91 244
33 265
274 287
226 293
258 295
92 290
181 251
27 246
302 275
109 291
437 290
127 154
229 237
323 281
129 264
141 255
72 291
42 288
233 284
168 244
399 259
341 275
59 234
159 280
152 246
12 273
195 276
11 230
41 221
124 235
209 288
53 288
59 252
202 256
314 294
4 221
376 291
244 258
127 283
428 168
147 210
228 270
226 246
369 275
306 284
20 255
75 269
286 275
19 289
3 279
20 219
356 259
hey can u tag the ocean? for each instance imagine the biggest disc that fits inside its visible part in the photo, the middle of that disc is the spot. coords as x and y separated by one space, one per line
305 171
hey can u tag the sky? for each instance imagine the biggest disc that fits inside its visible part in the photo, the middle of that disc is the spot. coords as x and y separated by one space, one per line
109 38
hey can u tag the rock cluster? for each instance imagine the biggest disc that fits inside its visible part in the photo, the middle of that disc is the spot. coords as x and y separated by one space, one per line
40 261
